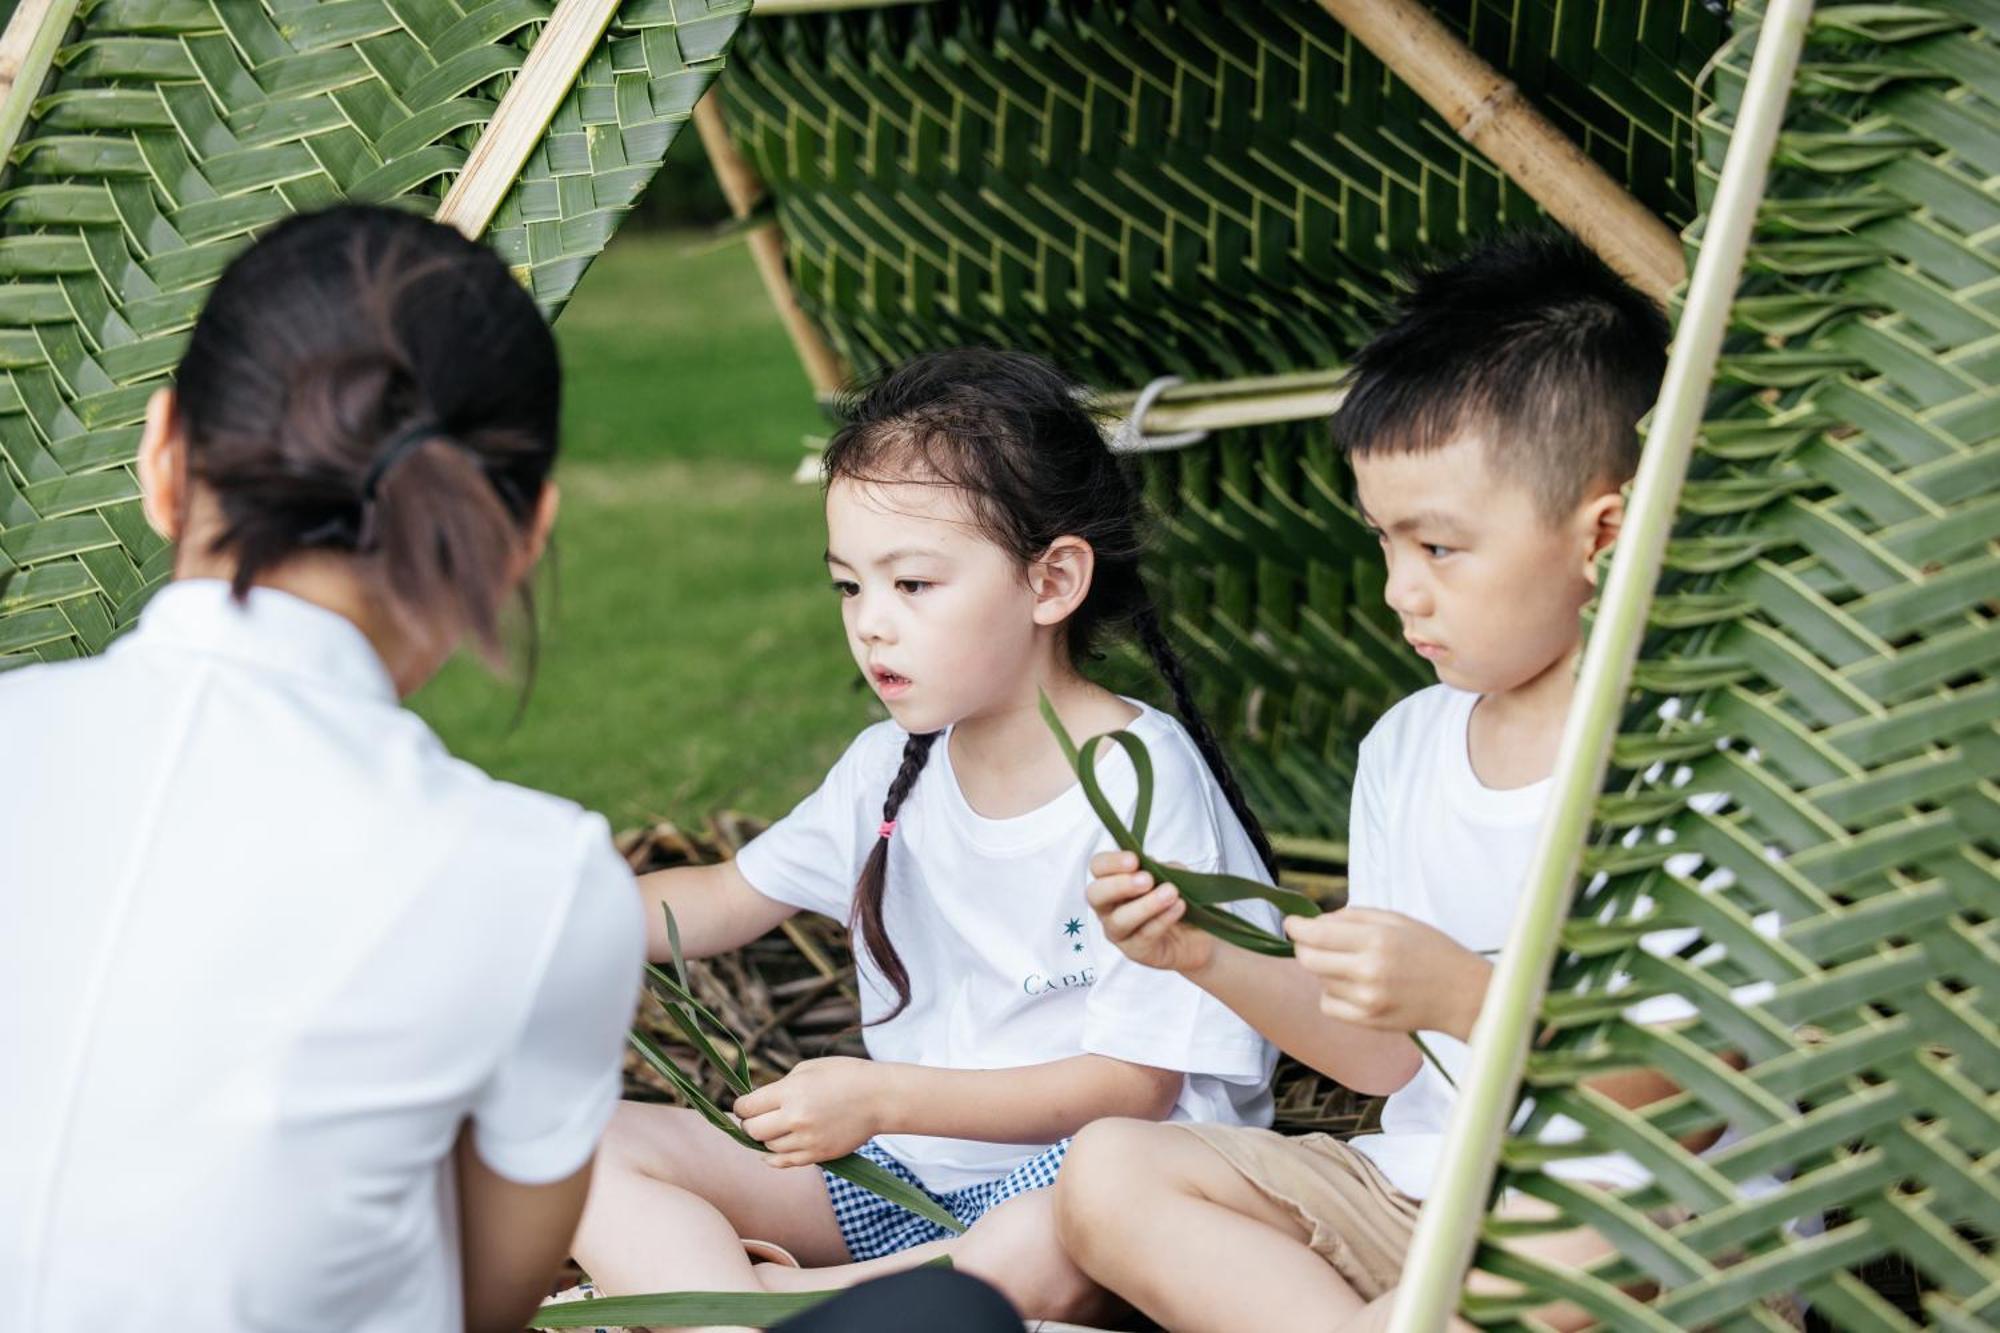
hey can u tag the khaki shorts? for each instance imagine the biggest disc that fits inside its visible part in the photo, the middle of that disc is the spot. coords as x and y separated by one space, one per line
1354 1217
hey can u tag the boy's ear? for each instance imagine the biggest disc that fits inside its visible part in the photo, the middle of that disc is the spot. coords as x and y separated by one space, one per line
163 466
1600 520
1060 579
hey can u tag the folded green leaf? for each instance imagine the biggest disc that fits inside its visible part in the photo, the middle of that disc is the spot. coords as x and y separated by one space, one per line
1205 892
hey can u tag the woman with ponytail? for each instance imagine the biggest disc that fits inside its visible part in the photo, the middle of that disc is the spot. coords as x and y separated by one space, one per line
983 541
309 1025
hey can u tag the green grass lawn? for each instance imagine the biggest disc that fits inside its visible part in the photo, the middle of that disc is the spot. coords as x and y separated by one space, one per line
691 654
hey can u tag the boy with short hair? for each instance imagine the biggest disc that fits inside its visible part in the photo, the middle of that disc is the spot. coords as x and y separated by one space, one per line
1490 428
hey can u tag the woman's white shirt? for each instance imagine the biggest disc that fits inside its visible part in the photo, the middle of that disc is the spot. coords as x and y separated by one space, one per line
265 948
1008 965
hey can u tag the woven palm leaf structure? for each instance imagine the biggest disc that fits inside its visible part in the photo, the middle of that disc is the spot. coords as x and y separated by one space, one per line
1208 191
154 138
1821 655
1218 192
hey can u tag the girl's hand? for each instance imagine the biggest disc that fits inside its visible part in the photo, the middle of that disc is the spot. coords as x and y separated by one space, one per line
823 1109
1384 970
1142 919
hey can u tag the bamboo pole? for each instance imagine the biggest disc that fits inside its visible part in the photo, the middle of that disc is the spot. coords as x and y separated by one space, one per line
1489 112
777 8
1446 1229
1265 400
27 49
742 187
545 78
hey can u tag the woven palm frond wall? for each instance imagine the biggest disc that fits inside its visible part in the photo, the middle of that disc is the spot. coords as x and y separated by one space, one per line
1805 786
1206 190
170 131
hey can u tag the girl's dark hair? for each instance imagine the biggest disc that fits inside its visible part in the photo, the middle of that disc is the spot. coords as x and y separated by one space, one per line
363 380
1013 434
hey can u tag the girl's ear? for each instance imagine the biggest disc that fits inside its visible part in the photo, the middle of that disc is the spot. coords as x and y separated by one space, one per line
1060 579
163 466
1600 520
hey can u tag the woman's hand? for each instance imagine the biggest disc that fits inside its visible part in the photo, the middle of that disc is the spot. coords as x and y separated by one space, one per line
1143 919
823 1109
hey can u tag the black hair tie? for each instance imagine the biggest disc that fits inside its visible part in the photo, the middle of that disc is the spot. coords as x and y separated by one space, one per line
399 447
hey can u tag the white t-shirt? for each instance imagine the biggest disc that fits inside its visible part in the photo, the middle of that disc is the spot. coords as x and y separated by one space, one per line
1007 963
1426 838
264 948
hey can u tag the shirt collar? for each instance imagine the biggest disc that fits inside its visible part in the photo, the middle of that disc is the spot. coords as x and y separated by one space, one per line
271 629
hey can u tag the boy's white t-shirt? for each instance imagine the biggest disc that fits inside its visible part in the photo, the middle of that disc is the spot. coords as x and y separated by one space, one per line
265 948
1008 965
1426 838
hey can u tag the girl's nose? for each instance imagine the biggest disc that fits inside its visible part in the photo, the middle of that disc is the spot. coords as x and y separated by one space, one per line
872 622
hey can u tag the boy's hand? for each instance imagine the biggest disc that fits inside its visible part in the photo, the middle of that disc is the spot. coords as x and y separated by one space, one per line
823 1109
1381 969
1143 919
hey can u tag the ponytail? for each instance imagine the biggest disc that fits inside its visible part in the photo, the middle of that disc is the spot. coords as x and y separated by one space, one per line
866 919
1153 637
366 382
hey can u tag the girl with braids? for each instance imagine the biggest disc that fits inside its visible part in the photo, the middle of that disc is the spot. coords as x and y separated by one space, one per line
983 540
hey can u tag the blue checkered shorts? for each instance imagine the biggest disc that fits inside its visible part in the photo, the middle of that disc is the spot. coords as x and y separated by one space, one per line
873 1227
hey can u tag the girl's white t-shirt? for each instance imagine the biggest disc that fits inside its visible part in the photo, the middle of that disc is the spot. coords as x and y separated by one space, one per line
1007 963
265 949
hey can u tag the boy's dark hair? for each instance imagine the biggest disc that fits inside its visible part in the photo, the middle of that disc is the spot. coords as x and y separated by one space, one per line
363 380
1530 340
1011 432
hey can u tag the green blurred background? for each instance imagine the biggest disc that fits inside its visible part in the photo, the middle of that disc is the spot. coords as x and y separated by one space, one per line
691 649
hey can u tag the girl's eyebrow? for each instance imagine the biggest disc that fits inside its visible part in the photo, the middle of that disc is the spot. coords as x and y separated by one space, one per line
901 553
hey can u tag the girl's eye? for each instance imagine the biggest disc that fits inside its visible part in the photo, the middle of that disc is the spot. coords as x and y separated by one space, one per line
845 588
911 586
1436 552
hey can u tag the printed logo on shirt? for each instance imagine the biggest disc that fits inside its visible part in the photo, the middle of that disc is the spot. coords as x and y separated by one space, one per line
1038 983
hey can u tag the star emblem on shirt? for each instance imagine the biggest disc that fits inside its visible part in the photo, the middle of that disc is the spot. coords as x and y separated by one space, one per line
1074 926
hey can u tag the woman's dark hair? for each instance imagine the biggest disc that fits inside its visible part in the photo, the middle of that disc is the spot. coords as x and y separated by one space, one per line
1013 434
364 380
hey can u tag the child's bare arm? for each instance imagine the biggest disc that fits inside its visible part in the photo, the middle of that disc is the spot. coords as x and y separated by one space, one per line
824 1108
714 908
1274 995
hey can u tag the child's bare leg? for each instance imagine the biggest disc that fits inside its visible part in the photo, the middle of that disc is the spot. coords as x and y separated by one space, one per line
1159 1217
1013 1247
672 1196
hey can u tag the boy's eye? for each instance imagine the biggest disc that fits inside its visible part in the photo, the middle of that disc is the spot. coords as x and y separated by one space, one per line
911 586
1435 552
846 588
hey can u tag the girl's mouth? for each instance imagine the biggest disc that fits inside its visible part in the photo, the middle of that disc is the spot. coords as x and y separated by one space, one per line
887 683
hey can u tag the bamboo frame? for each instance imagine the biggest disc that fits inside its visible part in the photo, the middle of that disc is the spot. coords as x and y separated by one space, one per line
545 78
1446 1229
27 50
1265 400
744 190
1489 112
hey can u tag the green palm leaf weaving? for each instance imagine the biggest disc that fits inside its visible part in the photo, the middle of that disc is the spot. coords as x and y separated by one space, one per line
167 132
